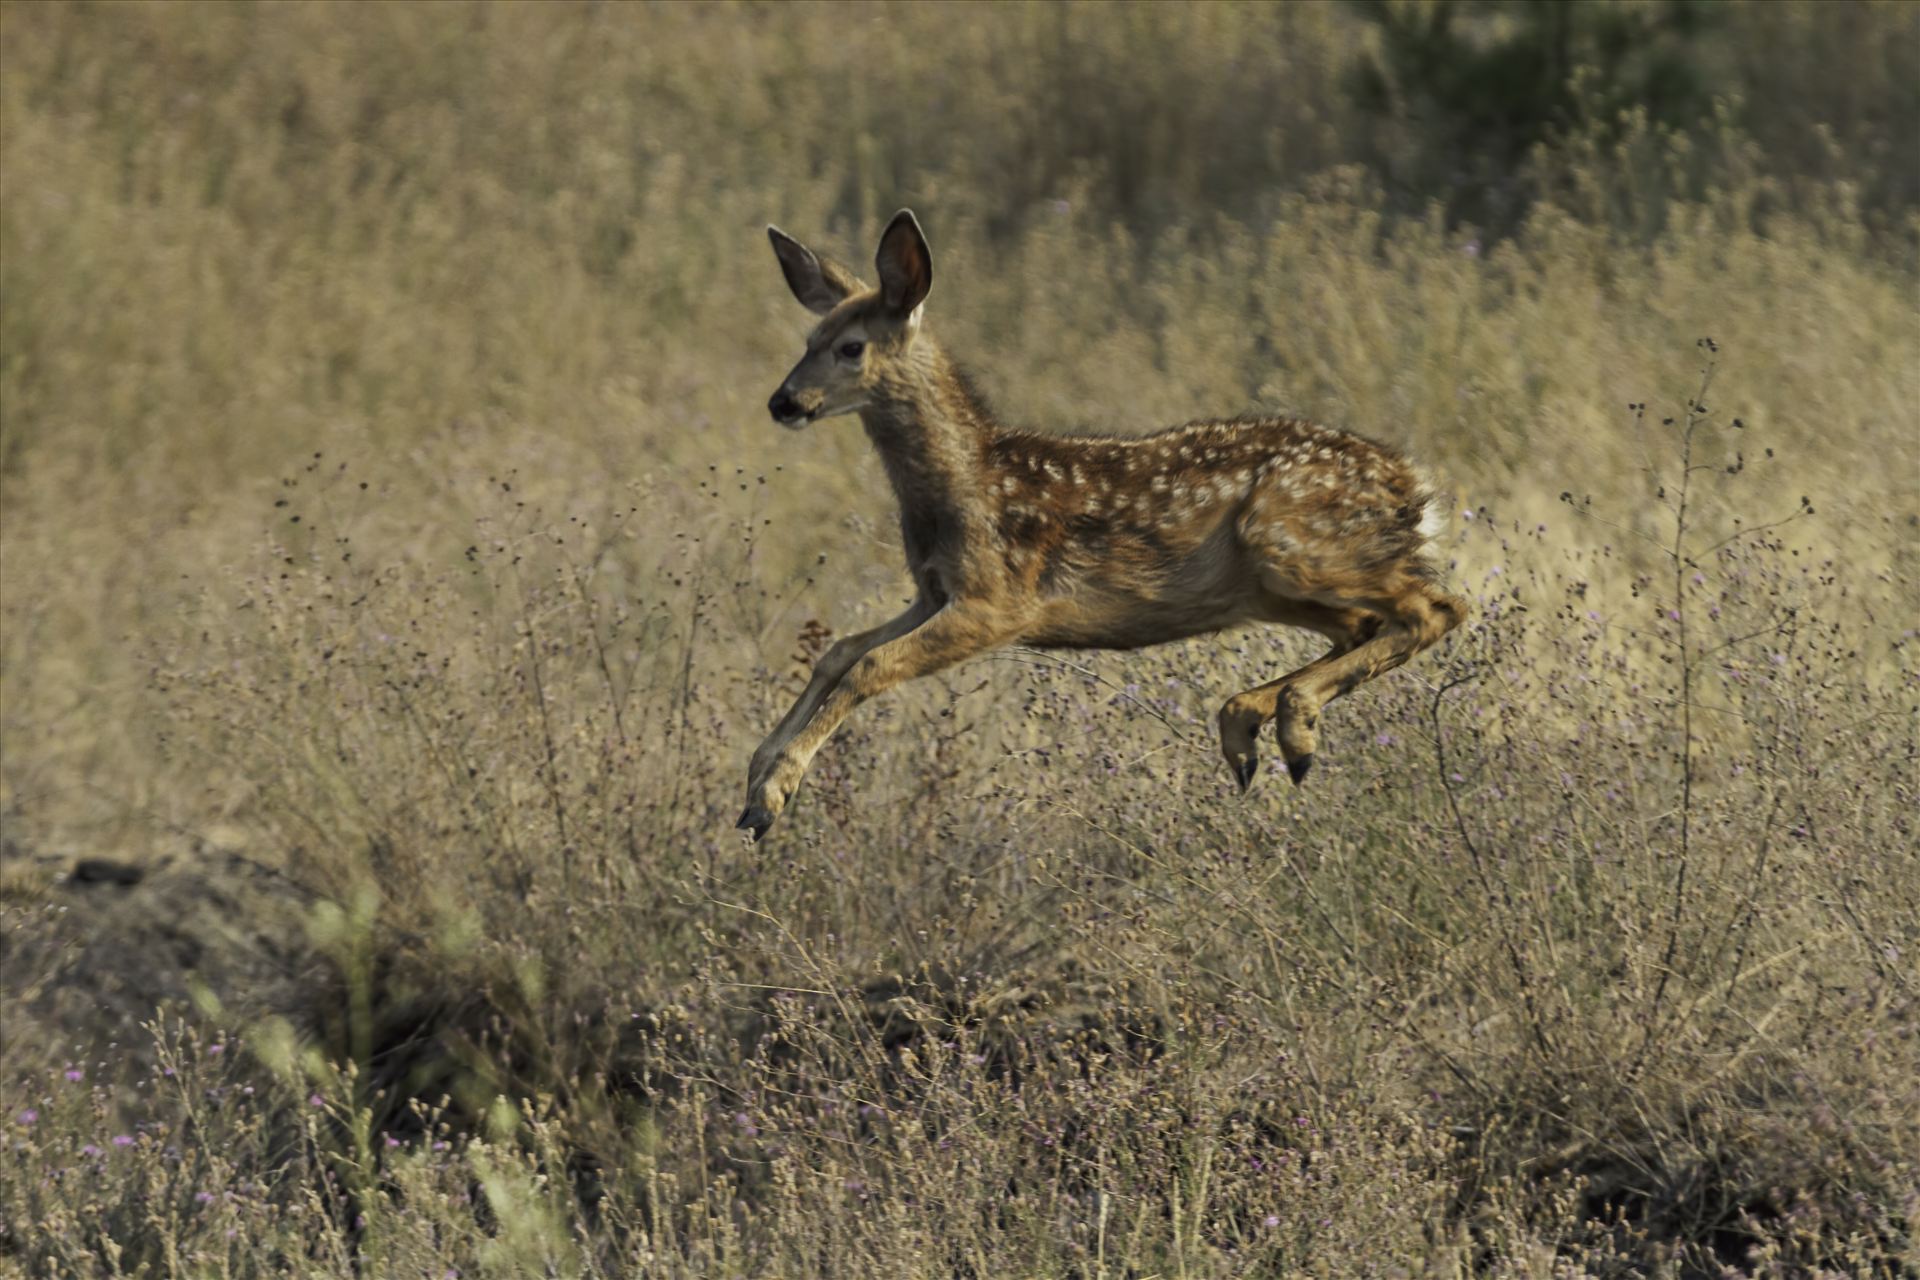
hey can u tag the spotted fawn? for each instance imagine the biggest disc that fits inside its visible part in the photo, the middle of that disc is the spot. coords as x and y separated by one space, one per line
1095 542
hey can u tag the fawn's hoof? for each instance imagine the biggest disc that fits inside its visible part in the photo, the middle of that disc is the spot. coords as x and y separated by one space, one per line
754 820
1243 771
1297 769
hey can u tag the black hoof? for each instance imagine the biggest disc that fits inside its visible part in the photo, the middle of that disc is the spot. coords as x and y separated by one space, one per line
754 820
1243 772
1297 769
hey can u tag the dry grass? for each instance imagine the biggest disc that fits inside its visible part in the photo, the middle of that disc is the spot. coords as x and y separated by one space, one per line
399 569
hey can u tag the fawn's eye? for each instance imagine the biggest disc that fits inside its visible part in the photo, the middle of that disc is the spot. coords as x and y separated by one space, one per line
852 350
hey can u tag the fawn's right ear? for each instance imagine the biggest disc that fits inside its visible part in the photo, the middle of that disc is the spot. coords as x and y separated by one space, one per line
905 264
821 284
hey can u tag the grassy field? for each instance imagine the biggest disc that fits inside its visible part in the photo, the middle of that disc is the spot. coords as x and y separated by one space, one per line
399 568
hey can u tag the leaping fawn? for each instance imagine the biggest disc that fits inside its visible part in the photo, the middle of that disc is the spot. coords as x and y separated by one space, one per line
1091 542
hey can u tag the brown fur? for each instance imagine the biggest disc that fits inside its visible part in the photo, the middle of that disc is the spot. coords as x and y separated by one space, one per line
1096 542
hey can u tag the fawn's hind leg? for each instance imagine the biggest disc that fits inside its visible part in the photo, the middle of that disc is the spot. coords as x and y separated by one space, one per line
1246 713
1412 618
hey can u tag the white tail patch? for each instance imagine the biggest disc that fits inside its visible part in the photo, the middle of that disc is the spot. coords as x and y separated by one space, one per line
1433 521
1433 509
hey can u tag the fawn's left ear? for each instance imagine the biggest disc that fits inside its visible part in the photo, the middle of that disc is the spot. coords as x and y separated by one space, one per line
905 264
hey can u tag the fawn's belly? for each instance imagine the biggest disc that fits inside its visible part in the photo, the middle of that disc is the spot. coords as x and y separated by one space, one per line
1124 632
1119 603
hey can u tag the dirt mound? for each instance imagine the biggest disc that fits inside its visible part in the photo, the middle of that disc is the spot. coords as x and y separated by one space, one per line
93 947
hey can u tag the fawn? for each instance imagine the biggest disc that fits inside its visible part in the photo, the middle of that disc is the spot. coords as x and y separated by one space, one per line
1095 542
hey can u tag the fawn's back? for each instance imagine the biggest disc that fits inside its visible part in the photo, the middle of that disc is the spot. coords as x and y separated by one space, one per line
1196 528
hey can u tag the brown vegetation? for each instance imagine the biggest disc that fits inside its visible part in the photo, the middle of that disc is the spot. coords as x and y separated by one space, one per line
398 563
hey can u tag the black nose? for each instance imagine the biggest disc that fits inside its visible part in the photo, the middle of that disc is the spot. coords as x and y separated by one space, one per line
782 406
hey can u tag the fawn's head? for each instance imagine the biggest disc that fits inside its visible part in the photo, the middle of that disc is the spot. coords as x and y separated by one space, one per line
864 335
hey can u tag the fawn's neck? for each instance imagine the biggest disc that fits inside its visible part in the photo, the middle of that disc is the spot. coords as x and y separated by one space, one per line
931 433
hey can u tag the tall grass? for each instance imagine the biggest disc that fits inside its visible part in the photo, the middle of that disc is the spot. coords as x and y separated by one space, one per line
389 502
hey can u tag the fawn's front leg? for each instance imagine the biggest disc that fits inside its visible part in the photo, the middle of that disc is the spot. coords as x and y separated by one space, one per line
954 632
827 673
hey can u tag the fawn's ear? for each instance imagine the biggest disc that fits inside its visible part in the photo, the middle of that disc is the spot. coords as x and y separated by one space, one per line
905 264
821 284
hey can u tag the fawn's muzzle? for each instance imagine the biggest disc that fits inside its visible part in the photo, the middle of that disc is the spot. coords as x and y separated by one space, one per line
786 410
